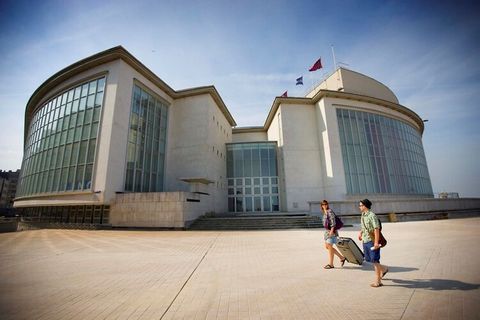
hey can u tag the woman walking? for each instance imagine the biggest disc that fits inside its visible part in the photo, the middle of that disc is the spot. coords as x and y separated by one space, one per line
331 235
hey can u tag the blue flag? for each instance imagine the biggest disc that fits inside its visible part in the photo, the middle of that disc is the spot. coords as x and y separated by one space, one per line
300 81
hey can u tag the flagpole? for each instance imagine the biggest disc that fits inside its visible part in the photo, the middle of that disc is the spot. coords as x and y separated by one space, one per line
334 61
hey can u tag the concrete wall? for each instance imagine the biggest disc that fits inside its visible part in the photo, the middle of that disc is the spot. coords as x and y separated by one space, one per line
333 174
197 135
156 209
353 82
249 136
275 133
301 156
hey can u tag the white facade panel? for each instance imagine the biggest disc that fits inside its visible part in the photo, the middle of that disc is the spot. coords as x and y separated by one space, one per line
301 156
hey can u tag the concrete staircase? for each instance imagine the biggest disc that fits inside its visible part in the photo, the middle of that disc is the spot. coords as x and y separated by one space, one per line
257 222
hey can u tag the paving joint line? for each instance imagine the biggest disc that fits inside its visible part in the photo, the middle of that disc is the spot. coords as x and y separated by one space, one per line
190 276
414 290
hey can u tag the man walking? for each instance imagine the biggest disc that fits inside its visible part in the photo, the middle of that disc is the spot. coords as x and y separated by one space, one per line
369 235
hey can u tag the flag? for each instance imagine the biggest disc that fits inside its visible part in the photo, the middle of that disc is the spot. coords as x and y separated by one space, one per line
300 81
317 65
285 94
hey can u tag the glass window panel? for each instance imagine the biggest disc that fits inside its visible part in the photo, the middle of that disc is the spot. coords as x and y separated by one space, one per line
71 173
266 204
77 93
248 204
82 154
91 150
93 133
75 106
70 135
67 155
78 133
239 204
275 204
129 180
231 204
87 182
84 90
90 101
73 120
86 131
79 178
98 99
92 87
82 103
100 84
74 157
88 115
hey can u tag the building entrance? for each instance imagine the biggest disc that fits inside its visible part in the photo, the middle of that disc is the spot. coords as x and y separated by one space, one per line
252 177
256 194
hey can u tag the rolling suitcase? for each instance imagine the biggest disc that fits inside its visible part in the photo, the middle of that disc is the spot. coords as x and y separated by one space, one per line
349 249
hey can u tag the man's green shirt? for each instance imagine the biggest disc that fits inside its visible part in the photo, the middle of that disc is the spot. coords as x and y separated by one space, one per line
369 222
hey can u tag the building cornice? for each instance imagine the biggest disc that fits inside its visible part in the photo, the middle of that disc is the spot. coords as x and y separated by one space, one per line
343 95
249 129
109 55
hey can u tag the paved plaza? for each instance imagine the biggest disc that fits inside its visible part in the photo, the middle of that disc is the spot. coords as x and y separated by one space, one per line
77 274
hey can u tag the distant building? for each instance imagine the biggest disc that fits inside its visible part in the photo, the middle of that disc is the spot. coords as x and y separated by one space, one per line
8 188
107 141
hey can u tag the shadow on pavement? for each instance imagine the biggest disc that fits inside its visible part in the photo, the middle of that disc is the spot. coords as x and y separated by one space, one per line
369 267
434 284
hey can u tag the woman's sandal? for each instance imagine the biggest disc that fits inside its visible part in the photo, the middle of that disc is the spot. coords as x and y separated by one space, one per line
342 262
328 266
376 285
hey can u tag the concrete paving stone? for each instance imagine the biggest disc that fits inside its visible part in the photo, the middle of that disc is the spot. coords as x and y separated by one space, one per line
278 274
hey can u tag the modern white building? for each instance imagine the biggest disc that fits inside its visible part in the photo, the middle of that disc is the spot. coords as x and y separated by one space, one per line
107 141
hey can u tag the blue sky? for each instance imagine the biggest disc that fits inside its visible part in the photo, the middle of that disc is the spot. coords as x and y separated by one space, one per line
426 51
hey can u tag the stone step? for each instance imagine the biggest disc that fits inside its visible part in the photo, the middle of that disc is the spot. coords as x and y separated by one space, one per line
259 222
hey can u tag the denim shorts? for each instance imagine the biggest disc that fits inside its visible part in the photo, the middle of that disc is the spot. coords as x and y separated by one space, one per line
331 240
371 255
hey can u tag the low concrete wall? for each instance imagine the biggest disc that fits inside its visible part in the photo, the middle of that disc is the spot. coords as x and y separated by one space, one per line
156 209
8 224
401 206
407 210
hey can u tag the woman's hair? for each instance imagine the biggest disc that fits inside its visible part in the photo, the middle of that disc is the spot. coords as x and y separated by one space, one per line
367 203
324 202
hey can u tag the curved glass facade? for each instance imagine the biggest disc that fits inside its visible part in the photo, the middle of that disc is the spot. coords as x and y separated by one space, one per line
252 177
61 141
146 142
382 155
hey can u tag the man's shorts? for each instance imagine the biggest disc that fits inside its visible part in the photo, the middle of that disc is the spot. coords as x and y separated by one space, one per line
371 255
